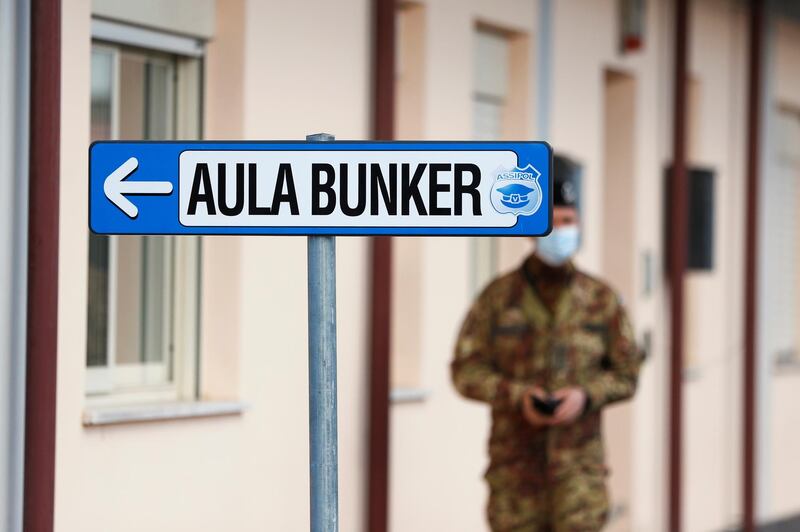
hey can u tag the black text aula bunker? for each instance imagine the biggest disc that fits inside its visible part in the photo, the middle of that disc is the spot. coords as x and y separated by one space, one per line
381 188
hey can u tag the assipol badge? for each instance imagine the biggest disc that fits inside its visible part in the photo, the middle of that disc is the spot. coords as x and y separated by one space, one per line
517 191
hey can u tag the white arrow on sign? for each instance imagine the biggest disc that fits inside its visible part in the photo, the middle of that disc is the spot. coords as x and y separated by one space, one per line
116 187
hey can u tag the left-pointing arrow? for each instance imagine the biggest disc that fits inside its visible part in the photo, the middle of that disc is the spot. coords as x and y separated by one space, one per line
116 187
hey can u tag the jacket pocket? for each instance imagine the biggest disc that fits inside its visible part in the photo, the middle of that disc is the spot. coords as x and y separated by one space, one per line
511 347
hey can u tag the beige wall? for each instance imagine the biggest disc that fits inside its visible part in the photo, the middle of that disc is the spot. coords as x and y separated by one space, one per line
713 342
247 472
438 446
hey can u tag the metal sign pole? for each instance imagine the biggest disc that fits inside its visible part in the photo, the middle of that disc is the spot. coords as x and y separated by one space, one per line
322 378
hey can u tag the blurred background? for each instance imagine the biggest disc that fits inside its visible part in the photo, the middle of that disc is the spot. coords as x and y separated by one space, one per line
168 376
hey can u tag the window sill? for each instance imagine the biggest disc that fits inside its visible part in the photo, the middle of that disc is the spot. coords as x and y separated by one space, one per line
408 395
115 415
786 366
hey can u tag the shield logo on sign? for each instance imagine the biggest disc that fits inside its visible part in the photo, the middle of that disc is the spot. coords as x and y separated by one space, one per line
517 191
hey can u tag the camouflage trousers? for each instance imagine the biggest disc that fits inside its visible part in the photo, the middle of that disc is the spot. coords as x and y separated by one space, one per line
577 502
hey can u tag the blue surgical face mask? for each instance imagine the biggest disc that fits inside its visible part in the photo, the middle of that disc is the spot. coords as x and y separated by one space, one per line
559 246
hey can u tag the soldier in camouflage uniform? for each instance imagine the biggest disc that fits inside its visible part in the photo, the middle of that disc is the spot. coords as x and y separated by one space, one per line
550 331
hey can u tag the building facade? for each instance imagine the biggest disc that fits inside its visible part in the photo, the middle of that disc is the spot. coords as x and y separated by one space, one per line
182 399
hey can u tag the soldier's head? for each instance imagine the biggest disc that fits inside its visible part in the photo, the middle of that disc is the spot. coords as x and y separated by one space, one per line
562 243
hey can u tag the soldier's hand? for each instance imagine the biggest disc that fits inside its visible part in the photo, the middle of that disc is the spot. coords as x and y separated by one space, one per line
573 401
531 415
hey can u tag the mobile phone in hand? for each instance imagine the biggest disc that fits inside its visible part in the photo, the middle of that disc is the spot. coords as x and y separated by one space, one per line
546 406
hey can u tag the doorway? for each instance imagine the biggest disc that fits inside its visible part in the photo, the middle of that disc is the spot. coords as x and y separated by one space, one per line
618 265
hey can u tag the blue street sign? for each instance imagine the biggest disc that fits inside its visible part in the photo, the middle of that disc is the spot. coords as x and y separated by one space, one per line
312 188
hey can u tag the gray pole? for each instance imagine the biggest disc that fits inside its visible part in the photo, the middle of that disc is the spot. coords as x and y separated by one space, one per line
15 36
322 378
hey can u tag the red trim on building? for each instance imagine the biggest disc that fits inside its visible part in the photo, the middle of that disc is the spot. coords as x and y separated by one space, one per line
750 269
381 281
378 481
677 262
42 313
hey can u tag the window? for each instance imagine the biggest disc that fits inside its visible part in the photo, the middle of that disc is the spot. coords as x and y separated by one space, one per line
490 94
780 241
143 290
499 111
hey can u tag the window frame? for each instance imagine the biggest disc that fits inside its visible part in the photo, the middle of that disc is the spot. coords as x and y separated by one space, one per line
110 384
510 99
483 251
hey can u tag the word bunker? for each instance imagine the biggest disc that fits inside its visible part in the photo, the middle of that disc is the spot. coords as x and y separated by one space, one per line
394 192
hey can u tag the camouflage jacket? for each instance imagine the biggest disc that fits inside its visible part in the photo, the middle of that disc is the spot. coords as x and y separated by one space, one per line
510 340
